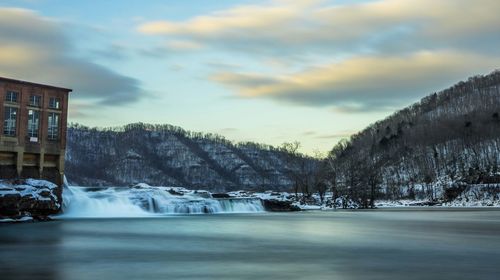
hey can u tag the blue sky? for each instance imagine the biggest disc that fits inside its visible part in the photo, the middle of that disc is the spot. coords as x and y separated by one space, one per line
267 71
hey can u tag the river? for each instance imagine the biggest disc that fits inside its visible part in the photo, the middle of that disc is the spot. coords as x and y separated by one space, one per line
424 243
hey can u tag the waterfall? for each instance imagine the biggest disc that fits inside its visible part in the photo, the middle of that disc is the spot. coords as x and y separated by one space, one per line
82 202
143 201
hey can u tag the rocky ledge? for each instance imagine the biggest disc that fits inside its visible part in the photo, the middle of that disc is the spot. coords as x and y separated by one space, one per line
275 205
28 200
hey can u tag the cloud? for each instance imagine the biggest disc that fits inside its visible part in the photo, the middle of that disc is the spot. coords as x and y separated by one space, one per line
112 52
80 110
242 27
220 65
172 47
305 27
223 22
36 48
340 134
180 45
361 83
353 57
308 133
249 83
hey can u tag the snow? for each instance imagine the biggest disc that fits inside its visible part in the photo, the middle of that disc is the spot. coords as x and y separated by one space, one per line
41 183
34 190
482 195
474 195
22 219
281 196
39 190
311 207
479 195
312 203
7 191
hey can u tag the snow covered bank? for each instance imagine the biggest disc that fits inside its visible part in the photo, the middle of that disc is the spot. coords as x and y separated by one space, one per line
459 195
32 200
478 195
29 199
472 195
284 201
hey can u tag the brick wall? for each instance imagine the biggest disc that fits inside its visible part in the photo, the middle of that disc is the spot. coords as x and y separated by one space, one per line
50 153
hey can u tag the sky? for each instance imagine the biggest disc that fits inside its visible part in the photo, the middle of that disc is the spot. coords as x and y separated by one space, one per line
268 71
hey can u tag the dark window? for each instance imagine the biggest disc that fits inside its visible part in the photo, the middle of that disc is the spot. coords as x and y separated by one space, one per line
9 123
35 100
54 103
33 124
53 127
11 96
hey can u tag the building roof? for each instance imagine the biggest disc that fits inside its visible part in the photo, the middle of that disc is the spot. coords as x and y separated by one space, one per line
3 79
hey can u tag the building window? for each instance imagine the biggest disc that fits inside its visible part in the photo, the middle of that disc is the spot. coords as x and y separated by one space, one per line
9 123
11 96
33 125
54 103
35 100
53 126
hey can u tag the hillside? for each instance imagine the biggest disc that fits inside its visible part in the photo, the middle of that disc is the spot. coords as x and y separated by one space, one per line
443 148
435 149
170 156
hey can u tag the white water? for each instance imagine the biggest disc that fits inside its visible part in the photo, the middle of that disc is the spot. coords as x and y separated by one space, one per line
141 202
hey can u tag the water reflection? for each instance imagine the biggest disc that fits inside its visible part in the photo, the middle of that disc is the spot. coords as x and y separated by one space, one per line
438 244
29 251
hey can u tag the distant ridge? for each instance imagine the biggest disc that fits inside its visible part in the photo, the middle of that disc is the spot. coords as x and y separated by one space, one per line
171 156
432 149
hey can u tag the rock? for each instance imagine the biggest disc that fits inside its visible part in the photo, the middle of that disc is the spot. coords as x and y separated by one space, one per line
36 199
42 218
275 205
220 195
203 193
141 186
44 192
174 192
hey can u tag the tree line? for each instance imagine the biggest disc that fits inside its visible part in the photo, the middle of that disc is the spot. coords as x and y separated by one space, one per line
446 140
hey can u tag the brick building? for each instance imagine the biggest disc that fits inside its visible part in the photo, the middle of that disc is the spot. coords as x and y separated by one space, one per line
32 130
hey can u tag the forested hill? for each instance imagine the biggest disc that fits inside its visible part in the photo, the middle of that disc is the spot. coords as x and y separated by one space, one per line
434 148
170 156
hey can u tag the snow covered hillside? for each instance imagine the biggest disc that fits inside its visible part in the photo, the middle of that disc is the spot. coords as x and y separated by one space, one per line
437 149
170 156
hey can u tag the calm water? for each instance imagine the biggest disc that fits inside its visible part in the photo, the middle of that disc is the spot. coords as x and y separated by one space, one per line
382 244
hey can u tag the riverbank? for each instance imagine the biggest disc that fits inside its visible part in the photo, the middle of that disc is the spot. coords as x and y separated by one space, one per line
38 200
